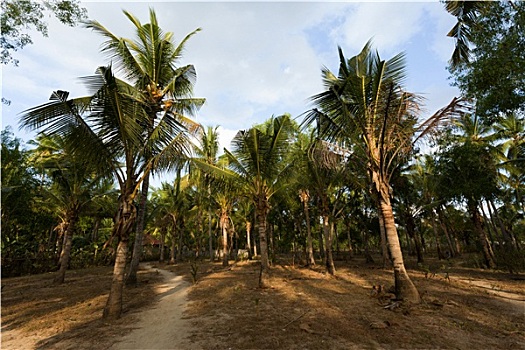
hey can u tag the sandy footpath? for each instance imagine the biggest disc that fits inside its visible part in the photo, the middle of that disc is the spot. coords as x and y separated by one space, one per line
162 326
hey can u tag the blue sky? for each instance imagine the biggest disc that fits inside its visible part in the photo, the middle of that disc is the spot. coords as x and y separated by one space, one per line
253 59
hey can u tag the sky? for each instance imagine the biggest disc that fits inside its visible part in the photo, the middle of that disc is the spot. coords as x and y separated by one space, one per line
253 59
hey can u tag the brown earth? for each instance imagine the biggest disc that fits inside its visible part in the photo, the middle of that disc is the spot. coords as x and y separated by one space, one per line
305 309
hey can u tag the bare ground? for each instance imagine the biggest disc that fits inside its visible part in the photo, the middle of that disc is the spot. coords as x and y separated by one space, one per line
304 309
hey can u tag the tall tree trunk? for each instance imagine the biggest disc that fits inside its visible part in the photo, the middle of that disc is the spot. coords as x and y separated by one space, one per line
139 233
162 241
411 231
327 230
124 221
492 231
384 245
511 241
66 248
488 255
224 229
94 232
248 239
451 244
436 235
210 234
271 248
309 244
349 237
404 288
173 249
262 208
366 242
322 254
180 244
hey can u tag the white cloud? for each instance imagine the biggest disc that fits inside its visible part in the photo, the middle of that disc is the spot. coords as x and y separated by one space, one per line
252 59
390 25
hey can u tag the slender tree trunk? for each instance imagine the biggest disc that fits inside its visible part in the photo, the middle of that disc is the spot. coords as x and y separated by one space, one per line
248 239
451 244
452 232
66 249
161 245
309 244
511 241
180 245
327 230
173 250
384 246
349 237
210 233
411 232
262 208
488 255
224 229
124 221
436 235
322 254
366 242
271 248
404 288
490 226
139 234
94 233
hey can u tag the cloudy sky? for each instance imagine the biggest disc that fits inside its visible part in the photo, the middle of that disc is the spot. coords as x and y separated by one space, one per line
253 59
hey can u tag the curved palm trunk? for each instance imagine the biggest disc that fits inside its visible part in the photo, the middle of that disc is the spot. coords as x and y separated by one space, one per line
404 288
139 234
124 221
65 255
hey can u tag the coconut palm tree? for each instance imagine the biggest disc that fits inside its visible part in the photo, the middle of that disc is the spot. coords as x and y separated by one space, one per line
74 185
256 165
366 108
149 62
207 151
106 129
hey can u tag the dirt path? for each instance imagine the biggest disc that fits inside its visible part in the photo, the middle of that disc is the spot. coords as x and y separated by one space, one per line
516 301
162 326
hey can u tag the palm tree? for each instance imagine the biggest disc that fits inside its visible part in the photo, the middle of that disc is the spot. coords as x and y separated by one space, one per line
256 165
74 185
107 130
325 169
149 62
207 151
469 171
366 108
